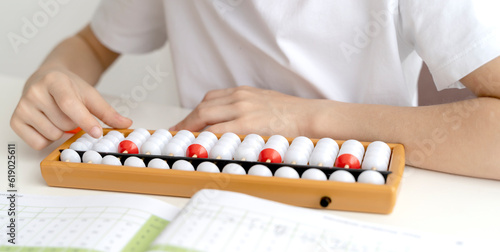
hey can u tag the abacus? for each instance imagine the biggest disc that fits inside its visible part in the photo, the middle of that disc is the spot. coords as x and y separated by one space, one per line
203 162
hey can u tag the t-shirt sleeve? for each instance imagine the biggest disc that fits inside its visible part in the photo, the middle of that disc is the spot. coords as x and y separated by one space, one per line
453 37
130 26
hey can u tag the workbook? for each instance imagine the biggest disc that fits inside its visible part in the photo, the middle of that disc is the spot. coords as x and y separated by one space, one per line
213 220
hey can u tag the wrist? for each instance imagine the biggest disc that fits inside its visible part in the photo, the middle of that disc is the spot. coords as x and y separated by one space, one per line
321 118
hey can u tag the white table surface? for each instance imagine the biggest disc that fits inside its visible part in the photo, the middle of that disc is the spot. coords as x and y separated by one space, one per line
427 201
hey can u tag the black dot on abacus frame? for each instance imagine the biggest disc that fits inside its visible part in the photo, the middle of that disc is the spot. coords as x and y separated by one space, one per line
325 201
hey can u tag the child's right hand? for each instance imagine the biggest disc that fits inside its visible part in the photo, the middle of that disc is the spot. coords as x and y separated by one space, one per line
56 100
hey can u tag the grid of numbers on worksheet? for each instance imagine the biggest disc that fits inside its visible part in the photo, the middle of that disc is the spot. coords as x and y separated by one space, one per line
98 228
235 229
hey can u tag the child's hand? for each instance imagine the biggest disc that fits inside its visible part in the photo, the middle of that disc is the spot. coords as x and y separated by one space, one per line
245 110
55 101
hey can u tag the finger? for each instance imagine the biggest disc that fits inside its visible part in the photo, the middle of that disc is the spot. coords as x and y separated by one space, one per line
28 134
44 126
225 97
240 127
224 127
204 116
71 104
218 93
235 92
49 107
107 114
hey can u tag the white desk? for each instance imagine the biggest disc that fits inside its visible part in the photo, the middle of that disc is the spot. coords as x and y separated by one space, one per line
428 201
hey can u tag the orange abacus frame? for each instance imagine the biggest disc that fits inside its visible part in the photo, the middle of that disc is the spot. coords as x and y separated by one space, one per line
300 192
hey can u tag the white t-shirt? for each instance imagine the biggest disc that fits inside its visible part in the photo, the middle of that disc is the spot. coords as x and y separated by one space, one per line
360 51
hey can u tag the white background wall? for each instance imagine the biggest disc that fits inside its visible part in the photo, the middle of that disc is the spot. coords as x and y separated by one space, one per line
55 20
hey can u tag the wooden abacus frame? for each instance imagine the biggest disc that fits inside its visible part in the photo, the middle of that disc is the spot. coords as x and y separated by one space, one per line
300 192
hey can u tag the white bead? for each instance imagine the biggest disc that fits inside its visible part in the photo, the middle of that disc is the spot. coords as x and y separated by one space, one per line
321 158
207 144
110 160
140 138
252 145
371 177
260 170
254 138
180 142
163 132
143 132
182 165
246 153
161 140
352 147
85 141
233 168
342 176
78 146
377 162
377 156
231 144
221 151
231 136
91 139
208 167
277 147
113 139
69 155
116 134
181 138
157 140
109 143
91 157
327 143
354 144
206 137
150 148
303 142
158 163
379 146
296 156
314 174
286 172
134 161
101 147
187 134
351 150
280 148
279 139
173 149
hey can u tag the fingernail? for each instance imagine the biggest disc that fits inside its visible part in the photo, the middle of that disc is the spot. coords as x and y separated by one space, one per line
95 132
172 128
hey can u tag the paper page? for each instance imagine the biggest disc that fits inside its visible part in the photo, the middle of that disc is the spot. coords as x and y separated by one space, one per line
226 221
85 223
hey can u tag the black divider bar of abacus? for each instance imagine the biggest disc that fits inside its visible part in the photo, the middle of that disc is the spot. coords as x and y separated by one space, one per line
220 163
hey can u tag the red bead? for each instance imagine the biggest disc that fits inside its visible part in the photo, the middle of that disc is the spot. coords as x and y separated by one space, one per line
269 155
196 150
347 161
128 147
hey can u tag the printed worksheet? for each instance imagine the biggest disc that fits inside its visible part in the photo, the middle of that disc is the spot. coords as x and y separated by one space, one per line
226 221
84 223
213 220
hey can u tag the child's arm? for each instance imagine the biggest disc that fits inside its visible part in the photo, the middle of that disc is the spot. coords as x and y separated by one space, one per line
461 137
60 95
